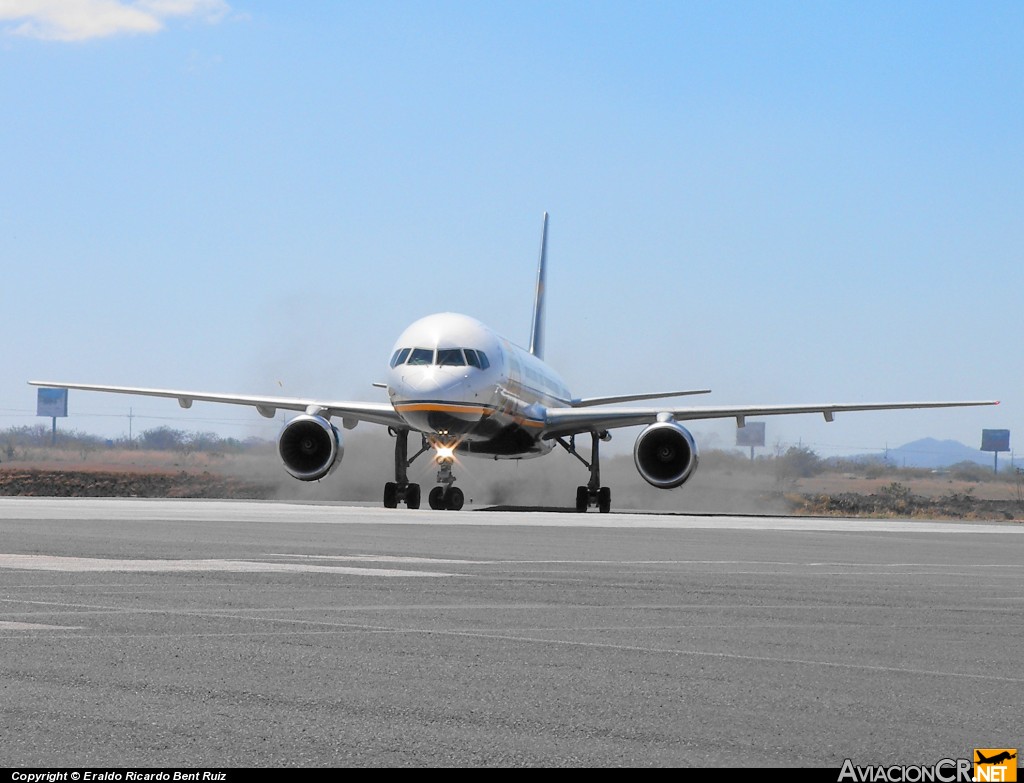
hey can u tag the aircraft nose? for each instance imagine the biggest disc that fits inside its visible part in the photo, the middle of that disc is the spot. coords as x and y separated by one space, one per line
432 382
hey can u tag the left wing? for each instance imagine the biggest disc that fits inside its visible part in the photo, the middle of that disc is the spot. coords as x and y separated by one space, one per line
569 421
350 412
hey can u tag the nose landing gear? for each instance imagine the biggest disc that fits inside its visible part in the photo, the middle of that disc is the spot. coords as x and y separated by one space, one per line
450 498
447 496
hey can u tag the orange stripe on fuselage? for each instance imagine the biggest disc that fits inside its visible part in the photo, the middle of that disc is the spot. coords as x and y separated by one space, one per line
416 407
445 408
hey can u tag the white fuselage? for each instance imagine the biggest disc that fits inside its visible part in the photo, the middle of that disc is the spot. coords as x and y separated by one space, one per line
462 384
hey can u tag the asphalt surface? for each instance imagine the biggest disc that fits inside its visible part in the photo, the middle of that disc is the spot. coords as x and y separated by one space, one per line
143 633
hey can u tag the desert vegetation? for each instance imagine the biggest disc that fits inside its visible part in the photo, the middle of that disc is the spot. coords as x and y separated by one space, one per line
165 462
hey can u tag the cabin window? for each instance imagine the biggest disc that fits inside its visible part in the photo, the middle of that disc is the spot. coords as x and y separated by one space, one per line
421 356
450 357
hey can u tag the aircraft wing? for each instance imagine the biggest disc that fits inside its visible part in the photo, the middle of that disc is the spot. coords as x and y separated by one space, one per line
569 421
375 412
586 402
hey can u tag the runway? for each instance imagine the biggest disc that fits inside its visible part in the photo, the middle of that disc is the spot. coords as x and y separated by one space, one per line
144 633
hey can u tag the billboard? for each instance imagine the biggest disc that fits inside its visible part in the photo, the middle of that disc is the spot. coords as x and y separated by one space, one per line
52 403
995 440
751 435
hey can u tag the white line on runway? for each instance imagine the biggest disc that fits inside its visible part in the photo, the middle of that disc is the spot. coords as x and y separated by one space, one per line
7 625
393 559
251 613
769 563
79 564
728 656
349 628
273 512
89 564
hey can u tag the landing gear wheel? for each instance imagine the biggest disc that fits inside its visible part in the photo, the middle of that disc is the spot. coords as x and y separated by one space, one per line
582 499
604 500
453 498
436 498
391 495
412 496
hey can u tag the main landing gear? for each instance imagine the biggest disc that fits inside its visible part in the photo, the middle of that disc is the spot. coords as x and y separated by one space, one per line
593 494
401 490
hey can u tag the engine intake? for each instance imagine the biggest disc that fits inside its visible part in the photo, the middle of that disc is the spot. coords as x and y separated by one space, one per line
310 447
665 454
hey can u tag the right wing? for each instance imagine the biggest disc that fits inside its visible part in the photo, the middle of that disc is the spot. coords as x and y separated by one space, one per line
587 402
570 421
350 412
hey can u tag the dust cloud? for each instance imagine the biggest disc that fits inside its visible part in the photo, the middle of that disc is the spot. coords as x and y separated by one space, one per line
724 483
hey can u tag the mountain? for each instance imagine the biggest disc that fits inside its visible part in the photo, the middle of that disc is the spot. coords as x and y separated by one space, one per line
932 453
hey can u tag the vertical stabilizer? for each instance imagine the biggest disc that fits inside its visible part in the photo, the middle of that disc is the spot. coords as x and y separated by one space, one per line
537 330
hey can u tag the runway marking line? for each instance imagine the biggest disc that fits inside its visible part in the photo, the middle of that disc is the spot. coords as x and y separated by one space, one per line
348 628
81 564
10 625
386 558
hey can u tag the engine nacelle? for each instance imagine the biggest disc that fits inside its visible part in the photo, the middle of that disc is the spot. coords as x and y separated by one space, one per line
310 447
665 454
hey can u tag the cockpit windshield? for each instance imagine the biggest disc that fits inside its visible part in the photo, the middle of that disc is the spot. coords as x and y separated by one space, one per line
450 357
400 356
421 356
477 359
444 357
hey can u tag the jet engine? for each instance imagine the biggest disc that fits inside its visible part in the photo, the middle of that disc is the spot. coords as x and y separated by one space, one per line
665 454
310 447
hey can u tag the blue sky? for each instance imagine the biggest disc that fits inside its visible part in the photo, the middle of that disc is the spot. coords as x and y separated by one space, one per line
784 201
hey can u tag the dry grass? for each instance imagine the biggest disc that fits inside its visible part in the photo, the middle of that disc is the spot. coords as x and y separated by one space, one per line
716 488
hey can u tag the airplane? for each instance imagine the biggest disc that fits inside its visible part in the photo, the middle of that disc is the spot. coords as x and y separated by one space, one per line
466 390
1004 756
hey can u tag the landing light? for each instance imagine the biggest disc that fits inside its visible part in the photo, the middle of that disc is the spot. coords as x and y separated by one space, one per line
445 447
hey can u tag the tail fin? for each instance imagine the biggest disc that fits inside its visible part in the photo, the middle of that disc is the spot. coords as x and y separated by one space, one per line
537 330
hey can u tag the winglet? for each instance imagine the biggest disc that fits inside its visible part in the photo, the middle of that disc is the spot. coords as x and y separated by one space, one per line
537 330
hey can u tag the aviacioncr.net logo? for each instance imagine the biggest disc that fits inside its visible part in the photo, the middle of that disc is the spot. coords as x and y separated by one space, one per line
944 771
995 765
